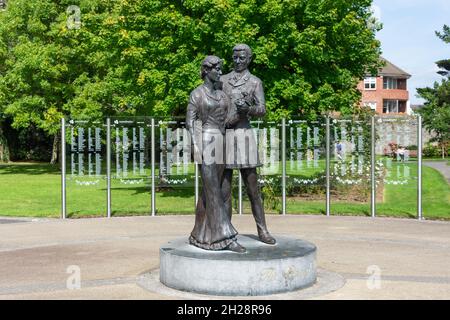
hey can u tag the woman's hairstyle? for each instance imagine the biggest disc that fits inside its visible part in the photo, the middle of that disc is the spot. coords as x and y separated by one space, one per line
208 63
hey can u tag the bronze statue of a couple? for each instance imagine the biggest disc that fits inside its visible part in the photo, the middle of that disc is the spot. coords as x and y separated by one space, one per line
224 104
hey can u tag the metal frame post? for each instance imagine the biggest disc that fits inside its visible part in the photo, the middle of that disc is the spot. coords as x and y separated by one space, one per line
419 168
372 169
327 146
153 199
108 167
283 164
63 169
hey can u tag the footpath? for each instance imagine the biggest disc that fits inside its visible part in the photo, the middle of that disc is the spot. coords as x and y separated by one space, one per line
380 258
441 166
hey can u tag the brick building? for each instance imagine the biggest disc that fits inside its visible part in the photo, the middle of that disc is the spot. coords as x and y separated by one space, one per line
387 92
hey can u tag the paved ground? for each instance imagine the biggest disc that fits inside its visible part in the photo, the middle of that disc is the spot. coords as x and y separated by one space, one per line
413 257
441 166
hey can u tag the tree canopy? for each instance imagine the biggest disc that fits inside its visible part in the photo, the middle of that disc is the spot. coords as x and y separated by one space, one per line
142 57
436 110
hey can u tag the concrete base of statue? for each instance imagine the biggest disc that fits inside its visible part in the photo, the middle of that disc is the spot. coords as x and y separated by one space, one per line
264 269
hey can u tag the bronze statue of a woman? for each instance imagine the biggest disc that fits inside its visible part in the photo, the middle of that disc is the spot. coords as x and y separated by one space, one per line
209 113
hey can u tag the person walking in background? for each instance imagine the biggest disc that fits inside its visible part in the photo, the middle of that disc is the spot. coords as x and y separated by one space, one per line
339 152
401 153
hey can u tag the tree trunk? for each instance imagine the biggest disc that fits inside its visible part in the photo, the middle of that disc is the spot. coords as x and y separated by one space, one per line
55 149
4 149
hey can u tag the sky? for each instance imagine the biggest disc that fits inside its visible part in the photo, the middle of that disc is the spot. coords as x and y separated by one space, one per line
408 38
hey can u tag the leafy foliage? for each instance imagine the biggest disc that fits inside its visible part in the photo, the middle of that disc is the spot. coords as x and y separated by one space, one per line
445 35
436 110
142 57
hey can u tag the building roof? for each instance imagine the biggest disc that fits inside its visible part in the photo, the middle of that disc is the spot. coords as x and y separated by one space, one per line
391 70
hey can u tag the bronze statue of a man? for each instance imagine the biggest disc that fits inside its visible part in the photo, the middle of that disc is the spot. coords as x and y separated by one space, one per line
246 94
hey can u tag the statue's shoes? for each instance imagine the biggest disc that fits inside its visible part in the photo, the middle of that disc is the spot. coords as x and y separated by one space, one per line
266 238
236 247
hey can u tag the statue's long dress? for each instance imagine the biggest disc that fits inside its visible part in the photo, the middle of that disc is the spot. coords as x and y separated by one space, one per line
207 114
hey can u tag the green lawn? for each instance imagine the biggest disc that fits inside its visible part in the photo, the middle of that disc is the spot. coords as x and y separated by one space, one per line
33 190
398 200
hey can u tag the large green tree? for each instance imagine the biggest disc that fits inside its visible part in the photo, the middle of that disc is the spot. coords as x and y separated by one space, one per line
43 68
309 53
142 57
436 109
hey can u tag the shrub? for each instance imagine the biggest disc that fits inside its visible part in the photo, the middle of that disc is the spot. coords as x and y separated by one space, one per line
431 151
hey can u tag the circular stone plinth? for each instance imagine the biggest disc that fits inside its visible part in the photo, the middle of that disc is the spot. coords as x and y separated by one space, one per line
264 269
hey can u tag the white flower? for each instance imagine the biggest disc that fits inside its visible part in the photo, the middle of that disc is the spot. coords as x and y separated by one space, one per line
87 183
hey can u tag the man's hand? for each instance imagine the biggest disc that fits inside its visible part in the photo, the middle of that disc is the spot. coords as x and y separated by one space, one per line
242 106
240 103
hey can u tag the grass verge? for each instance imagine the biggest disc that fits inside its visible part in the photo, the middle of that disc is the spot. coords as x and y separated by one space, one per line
33 190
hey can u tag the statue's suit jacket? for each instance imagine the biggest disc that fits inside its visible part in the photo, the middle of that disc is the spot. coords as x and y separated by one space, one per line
237 87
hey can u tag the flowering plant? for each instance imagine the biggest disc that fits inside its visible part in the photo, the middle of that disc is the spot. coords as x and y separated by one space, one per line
87 183
176 181
132 181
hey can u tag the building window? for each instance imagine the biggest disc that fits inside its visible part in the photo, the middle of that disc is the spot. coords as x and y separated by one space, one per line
370 83
371 105
390 106
390 83
401 84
